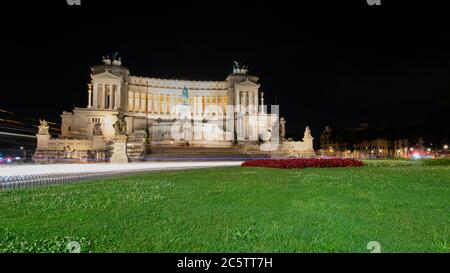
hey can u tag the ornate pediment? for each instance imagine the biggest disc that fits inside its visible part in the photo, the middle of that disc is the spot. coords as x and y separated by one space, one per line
106 75
247 83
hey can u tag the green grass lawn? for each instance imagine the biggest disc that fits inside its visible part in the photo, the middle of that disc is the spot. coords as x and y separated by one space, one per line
405 208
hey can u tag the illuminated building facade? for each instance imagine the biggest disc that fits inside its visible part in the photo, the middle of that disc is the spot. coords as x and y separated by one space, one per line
170 113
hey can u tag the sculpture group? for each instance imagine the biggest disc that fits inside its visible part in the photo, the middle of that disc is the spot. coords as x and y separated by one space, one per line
120 126
239 70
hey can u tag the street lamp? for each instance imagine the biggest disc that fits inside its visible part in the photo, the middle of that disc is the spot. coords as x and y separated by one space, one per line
24 153
445 147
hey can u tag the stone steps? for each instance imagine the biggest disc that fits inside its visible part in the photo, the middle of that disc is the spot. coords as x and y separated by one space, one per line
197 152
136 152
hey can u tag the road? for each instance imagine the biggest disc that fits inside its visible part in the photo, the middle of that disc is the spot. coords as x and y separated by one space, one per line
18 170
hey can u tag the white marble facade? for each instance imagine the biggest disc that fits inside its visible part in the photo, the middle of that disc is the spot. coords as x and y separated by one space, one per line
212 107
175 112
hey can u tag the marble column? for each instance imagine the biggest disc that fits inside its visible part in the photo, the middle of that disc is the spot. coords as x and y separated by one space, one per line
262 103
116 97
245 101
200 100
165 104
89 99
255 99
140 102
202 105
217 105
223 104
95 97
195 102
131 107
150 98
102 97
173 102
211 103
158 102
119 97
237 101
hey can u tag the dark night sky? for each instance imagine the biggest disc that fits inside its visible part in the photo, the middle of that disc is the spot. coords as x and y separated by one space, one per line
336 65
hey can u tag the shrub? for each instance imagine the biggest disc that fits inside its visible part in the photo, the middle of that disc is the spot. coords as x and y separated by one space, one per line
301 163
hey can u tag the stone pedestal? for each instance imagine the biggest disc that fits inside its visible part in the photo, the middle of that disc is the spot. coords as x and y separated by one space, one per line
42 141
120 150
98 142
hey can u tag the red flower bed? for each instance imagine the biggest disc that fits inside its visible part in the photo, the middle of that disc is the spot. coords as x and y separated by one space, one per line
301 163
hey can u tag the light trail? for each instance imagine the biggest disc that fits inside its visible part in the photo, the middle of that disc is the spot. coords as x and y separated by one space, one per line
17 135
12 170
18 129
4 111
12 121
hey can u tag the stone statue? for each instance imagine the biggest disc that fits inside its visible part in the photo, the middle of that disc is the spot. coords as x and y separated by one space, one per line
307 133
97 131
185 95
43 128
266 136
235 66
107 60
308 140
116 60
282 129
120 126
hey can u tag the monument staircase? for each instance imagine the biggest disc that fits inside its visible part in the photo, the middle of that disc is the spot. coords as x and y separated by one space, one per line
136 151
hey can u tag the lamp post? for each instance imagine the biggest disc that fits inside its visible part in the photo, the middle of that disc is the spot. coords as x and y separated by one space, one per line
24 153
